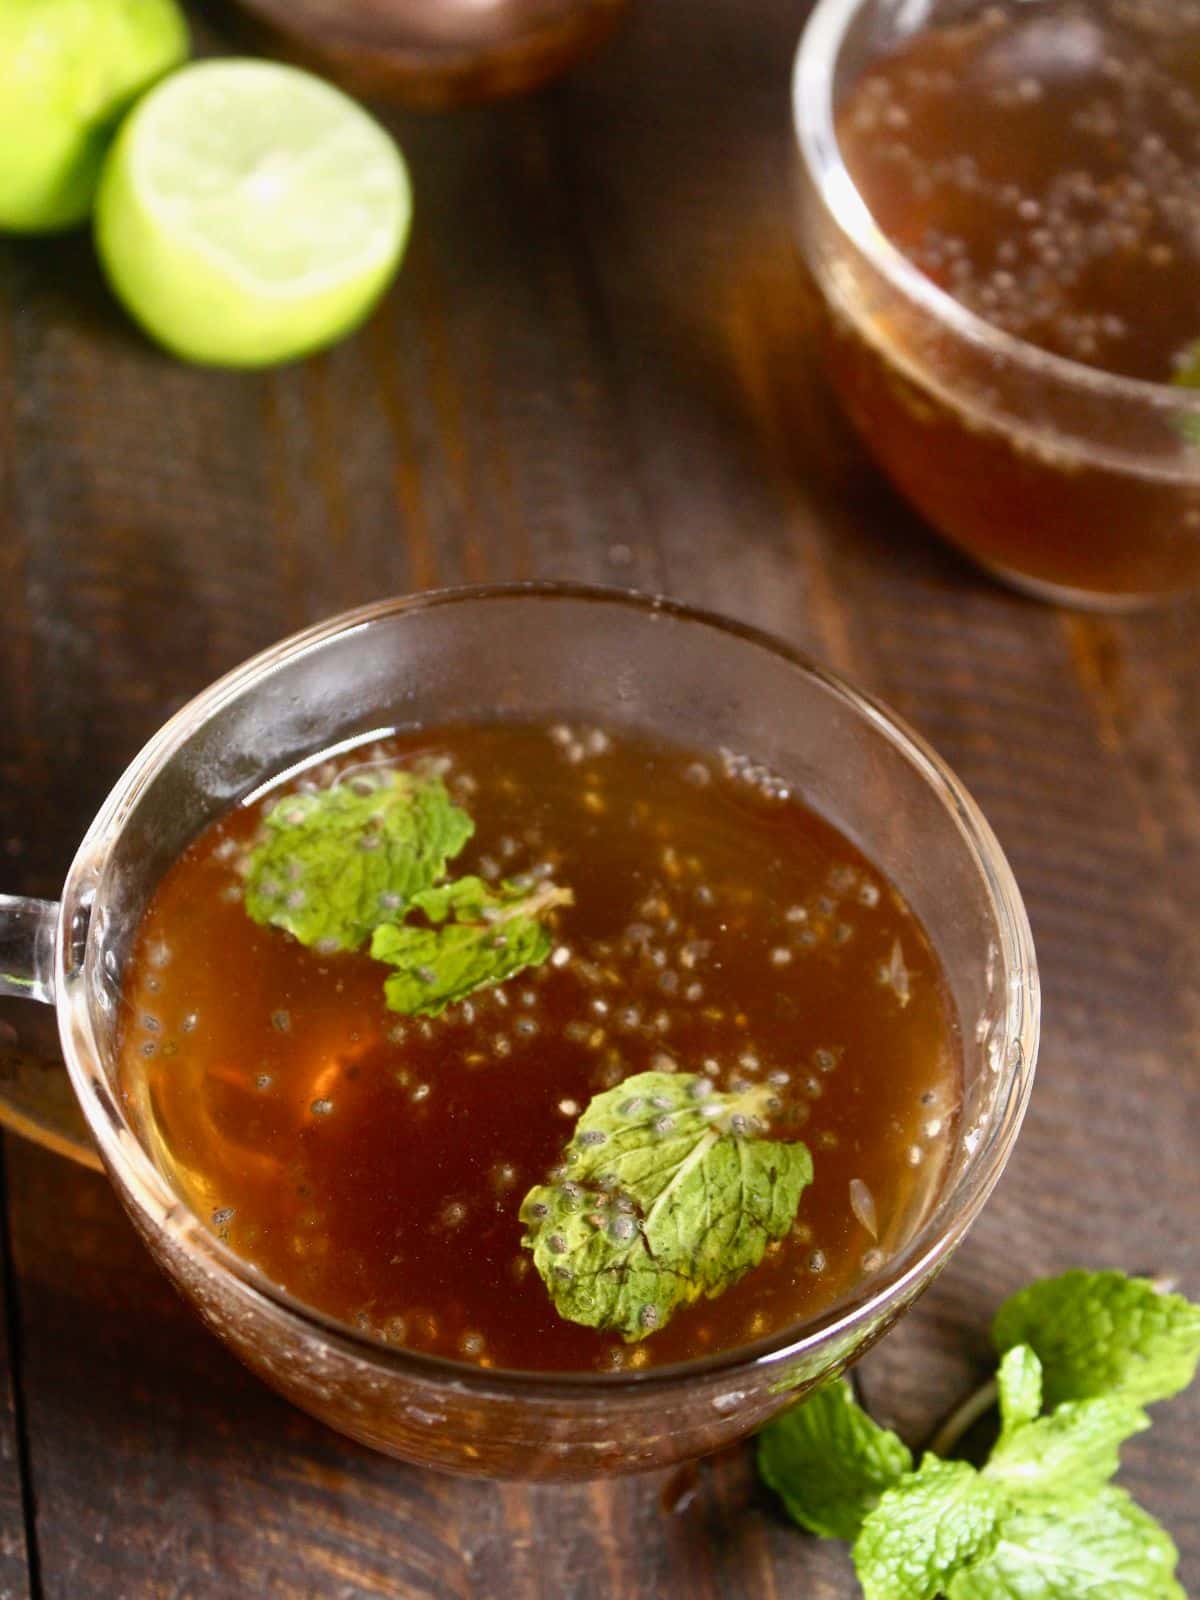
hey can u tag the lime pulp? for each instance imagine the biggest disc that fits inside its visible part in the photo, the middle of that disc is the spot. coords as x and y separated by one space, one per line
249 213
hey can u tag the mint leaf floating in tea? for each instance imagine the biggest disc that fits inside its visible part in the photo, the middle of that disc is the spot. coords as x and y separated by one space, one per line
1040 1520
331 866
672 1193
829 1462
1101 1333
478 936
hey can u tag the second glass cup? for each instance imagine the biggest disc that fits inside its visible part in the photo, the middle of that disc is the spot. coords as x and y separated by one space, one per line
1070 482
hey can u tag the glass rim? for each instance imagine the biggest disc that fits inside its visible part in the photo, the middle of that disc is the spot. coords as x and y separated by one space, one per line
139 1178
815 132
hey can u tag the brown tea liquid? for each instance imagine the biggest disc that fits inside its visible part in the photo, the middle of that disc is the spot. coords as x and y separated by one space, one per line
1040 163
374 1164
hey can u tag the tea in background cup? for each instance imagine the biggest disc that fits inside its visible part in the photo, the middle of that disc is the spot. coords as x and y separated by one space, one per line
998 202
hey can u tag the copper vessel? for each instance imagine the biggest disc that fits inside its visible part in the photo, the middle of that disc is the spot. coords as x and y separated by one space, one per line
432 53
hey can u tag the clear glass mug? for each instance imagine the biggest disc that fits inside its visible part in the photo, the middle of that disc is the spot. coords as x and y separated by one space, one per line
529 652
1069 482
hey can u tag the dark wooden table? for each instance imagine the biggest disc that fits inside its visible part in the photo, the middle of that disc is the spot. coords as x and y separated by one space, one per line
593 366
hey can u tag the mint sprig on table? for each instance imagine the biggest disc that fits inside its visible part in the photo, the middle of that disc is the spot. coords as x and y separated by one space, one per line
363 862
670 1193
1080 1355
1101 1333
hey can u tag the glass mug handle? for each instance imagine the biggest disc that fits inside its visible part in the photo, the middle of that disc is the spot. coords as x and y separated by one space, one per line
36 1098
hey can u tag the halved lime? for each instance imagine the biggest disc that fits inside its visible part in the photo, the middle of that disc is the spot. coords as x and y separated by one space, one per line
69 69
249 213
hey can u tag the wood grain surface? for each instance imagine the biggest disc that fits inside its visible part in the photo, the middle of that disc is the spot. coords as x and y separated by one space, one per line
595 365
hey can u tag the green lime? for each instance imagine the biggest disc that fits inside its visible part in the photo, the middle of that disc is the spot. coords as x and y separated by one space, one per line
68 71
249 213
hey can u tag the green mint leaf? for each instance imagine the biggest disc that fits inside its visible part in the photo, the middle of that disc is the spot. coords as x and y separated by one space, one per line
671 1194
330 866
829 1462
1019 1383
480 936
1098 1547
1074 1449
1101 1333
924 1529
